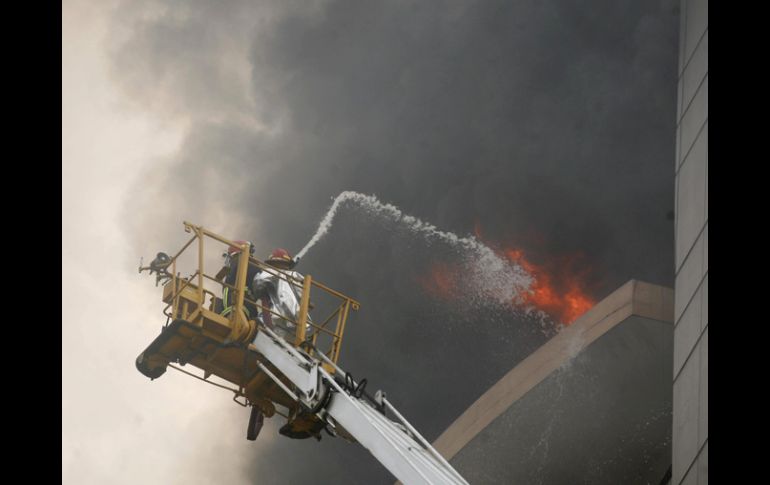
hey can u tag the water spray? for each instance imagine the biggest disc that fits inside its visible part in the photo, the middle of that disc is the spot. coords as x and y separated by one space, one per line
489 276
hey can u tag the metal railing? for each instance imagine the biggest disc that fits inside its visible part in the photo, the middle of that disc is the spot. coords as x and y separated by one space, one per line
244 328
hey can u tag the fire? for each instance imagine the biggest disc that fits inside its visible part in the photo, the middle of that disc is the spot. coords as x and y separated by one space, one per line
561 295
558 287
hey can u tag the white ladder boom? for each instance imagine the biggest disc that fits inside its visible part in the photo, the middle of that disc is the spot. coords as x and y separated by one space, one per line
398 446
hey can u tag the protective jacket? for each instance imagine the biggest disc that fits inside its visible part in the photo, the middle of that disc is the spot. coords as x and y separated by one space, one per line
284 299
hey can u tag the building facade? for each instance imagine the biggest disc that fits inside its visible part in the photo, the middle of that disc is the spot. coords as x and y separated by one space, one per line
592 405
690 412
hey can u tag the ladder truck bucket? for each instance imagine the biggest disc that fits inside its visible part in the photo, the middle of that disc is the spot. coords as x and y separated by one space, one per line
278 363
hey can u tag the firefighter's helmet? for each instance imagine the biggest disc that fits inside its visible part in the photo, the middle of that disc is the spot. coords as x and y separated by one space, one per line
232 250
280 258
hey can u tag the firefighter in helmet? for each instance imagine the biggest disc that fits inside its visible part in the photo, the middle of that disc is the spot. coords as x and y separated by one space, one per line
283 297
228 294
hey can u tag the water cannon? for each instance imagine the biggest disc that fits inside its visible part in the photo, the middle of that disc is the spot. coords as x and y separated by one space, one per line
159 266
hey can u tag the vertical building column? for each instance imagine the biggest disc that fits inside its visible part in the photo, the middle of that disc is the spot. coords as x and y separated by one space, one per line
690 379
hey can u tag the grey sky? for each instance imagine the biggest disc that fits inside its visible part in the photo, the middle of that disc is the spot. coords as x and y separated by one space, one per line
550 124
117 427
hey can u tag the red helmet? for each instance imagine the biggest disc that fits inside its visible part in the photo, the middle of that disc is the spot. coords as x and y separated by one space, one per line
234 249
281 257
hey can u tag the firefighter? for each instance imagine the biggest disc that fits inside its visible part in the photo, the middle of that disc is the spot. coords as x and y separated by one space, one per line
228 294
283 297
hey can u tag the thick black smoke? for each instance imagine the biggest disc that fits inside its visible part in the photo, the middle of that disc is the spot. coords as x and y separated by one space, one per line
550 124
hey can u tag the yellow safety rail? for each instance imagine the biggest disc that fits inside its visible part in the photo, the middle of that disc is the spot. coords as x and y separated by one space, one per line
185 298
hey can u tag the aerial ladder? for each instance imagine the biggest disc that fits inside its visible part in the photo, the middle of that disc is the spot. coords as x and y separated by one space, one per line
294 375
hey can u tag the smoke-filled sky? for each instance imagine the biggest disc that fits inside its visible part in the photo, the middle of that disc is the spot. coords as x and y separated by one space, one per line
544 126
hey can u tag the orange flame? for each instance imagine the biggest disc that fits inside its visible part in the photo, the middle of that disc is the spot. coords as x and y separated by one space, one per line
558 288
561 296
